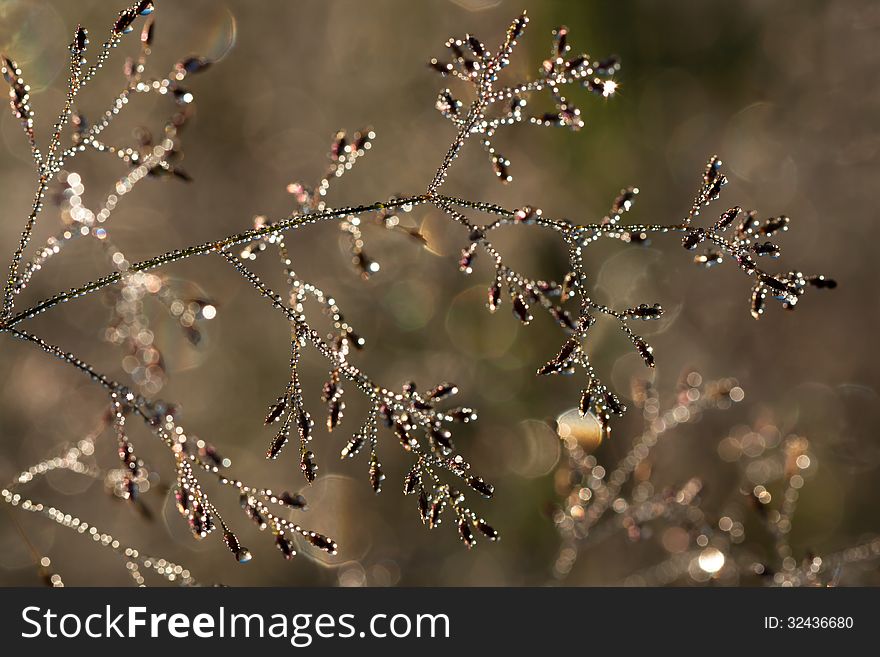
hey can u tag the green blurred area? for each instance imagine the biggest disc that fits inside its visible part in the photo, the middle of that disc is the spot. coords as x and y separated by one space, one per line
787 93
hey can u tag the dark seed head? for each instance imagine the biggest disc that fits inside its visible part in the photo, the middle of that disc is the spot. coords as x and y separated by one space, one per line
482 487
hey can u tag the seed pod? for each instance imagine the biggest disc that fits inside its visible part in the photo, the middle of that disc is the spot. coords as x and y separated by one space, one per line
563 318
774 283
376 475
476 46
766 249
182 499
252 512
574 65
387 415
443 391
646 351
123 22
321 542
644 311
308 465
463 415
516 28
411 482
746 225
520 309
727 218
337 148
276 409
746 262
822 282
624 201
774 225
487 530
447 105
501 167
278 443
608 65
286 546
466 533
693 239
354 446
713 170
192 65
294 500
423 504
304 423
586 404
482 487
242 554
758 299
441 440
434 512
407 441
80 40
494 296
334 415
465 263
713 190
613 404
443 68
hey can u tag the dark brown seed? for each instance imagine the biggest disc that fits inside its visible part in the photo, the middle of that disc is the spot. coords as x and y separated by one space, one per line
766 249
774 225
423 504
354 446
466 533
758 300
434 512
411 482
521 310
516 29
442 440
494 296
443 391
80 39
727 218
645 351
376 475
286 546
322 542
124 21
608 65
192 65
693 239
304 424
308 466
821 282
713 170
476 47
276 409
613 404
487 530
586 402
278 443
293 500
624 202
386 414
482 487
334 415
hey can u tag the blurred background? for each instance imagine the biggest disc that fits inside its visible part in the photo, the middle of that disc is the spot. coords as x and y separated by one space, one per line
787 93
